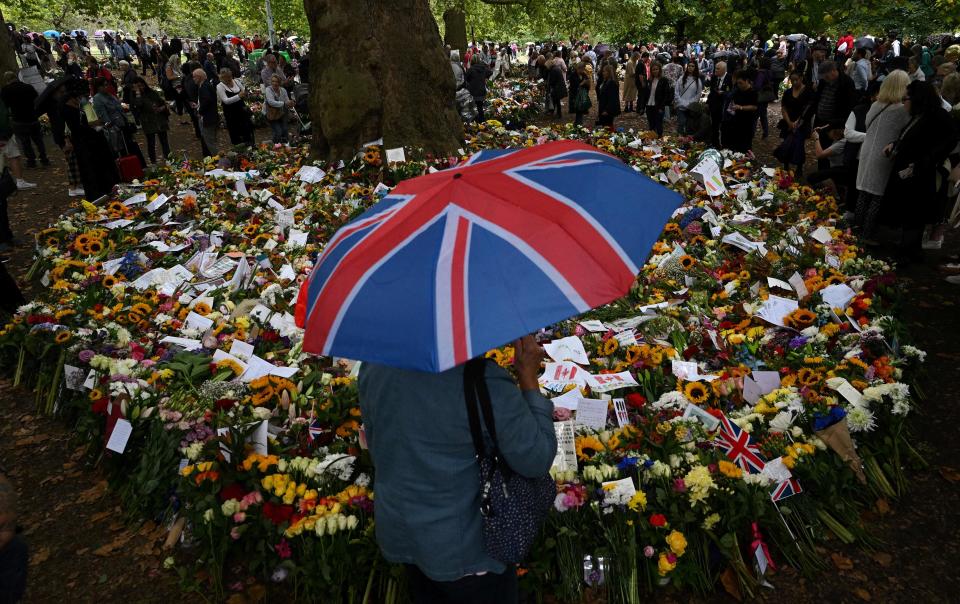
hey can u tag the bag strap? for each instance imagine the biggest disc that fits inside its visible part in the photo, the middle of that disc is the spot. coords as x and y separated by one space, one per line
877 115
475 391
470 371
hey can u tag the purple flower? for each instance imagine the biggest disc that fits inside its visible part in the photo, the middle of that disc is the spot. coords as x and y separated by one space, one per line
679 485
648 551
797 342
86 355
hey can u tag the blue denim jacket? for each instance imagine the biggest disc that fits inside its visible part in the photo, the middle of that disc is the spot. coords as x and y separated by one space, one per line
427 485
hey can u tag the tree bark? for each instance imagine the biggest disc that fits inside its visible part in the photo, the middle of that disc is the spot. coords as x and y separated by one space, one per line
378 69
8 54
455 29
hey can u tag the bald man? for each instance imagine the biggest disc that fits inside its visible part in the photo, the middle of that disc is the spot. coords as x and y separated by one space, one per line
206 106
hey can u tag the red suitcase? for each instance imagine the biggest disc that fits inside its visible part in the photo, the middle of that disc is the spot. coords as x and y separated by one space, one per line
130 168
128 165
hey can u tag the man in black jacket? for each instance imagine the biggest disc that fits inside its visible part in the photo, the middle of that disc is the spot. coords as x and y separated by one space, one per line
19 98
719 86
836 95
206 108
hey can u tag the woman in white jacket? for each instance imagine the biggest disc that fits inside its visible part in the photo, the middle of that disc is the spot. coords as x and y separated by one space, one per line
885 119
686 92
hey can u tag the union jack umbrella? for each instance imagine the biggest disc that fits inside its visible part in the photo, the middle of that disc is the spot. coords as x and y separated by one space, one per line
738 446
455 263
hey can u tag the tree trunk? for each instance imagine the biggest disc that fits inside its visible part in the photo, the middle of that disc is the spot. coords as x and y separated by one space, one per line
377 70
455 29
8 54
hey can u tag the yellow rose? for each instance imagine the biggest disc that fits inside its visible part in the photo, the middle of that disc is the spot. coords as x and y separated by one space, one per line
664 565
677 542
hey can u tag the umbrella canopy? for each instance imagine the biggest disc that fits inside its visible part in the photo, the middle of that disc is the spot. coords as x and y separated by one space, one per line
601 48
865 42
51 33
796 37
74 32
455 263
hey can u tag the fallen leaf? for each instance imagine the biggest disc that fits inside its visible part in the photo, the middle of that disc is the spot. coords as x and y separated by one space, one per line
883 558
39 556
841 562
862 594
101 515
883 507
33 440
949 474
731 584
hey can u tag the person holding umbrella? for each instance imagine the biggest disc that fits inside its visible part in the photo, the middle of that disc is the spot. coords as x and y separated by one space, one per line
457 263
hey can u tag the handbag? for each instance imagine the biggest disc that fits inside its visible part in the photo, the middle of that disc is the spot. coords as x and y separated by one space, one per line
274 113
766 94
512 506
582 103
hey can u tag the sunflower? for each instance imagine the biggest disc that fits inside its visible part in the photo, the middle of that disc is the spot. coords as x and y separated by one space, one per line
202 308
741 173
261 397
610 346
372 156
140 308
633 354
95 394
800 318
348 428
52 242
82 240
696 392
807 376
95 247
698 240
62 337
109 281
686 262
588 446
249 230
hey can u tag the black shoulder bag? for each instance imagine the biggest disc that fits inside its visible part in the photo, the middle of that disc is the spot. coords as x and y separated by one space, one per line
512 506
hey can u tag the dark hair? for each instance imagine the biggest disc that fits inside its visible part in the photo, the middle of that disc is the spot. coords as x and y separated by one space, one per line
743 74
924 98
827 66
696 71
860 52
99 82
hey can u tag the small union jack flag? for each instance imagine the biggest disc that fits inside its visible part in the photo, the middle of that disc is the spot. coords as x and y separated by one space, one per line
787 488
314 430
738 446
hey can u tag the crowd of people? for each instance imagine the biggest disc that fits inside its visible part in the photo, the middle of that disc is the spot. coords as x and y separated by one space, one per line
880 115
96 104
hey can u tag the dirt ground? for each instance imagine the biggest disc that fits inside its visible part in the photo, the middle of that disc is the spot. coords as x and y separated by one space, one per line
82 550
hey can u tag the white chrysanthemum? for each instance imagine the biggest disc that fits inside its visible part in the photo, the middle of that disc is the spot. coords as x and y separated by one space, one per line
781 422
914 353
860 419
672 399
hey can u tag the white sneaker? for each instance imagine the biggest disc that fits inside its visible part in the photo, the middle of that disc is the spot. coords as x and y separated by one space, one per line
22 184
75 192
954 279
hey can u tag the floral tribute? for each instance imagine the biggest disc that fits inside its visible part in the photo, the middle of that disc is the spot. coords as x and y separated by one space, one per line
761 403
